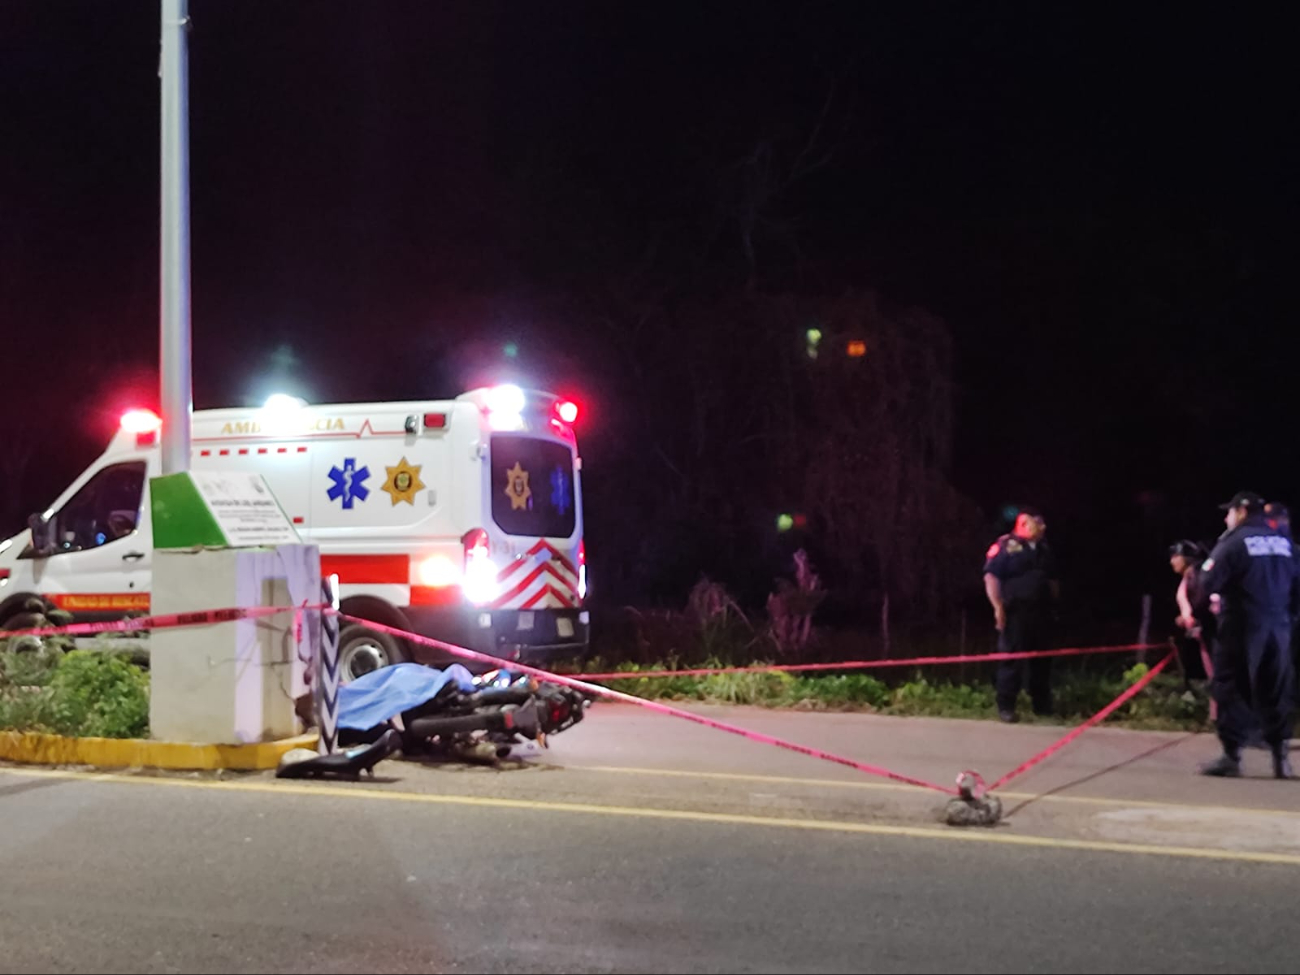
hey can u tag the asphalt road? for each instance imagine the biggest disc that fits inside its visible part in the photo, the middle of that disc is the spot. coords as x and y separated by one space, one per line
571 865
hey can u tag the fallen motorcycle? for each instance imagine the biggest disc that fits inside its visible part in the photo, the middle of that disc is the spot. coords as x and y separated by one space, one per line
452 713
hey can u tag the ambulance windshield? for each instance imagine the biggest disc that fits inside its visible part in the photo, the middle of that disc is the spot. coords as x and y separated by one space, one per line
532 486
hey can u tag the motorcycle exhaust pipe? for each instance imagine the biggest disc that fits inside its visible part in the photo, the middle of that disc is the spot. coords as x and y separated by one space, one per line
522 720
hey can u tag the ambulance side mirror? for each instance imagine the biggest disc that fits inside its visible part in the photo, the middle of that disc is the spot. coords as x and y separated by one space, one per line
42 534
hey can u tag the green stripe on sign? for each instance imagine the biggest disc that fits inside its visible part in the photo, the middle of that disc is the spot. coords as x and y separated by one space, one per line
181 518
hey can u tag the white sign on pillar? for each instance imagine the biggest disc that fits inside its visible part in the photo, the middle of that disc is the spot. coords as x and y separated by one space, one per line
245 509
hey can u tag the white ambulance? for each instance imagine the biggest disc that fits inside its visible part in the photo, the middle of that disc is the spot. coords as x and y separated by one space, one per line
460 520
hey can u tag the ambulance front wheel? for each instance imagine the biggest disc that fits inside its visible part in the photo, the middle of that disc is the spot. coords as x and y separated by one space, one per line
362 650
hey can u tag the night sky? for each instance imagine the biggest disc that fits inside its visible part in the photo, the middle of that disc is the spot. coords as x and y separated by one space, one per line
1100 203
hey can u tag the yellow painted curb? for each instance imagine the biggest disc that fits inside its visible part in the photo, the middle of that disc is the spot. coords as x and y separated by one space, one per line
34 749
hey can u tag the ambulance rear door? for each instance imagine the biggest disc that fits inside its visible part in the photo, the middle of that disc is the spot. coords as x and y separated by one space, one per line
534 500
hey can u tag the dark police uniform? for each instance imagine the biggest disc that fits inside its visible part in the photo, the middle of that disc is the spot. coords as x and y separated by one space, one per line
1024 572
1254 571
1279 517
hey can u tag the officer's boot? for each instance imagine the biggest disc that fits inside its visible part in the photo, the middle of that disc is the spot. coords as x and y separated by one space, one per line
1226 766
1282 762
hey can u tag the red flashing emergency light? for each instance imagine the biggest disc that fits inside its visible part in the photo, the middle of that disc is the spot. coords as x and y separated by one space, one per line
141 421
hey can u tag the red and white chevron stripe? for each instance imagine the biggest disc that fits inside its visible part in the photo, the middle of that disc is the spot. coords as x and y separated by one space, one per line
542 579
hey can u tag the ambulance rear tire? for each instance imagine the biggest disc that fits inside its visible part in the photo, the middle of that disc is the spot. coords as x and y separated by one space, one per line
17 611
363 650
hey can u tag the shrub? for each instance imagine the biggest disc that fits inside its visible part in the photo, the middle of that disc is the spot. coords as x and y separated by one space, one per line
1164 704
841 690
101 695
921 697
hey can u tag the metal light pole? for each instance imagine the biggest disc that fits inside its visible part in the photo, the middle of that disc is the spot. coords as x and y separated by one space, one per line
174 303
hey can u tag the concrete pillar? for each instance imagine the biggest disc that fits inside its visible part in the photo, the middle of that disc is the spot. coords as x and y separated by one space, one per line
235 682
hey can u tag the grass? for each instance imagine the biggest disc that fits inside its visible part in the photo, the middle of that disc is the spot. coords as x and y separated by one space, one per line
80 693
1166 704
103 693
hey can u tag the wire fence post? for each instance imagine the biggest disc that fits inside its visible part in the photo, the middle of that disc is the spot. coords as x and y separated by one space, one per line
1144 630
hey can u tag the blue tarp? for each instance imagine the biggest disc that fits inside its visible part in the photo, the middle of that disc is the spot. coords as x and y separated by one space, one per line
381 694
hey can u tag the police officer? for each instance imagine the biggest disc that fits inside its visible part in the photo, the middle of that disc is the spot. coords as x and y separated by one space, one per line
1253 570
1021 584
1279 516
